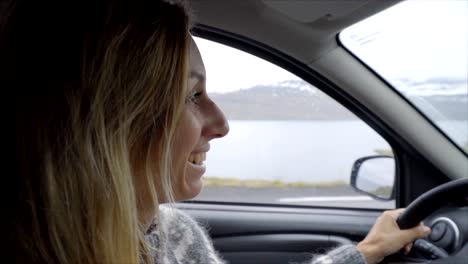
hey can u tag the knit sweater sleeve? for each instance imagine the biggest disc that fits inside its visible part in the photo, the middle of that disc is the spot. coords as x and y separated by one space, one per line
347 254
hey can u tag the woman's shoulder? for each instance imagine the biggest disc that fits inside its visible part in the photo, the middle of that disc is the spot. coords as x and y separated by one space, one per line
170 214
181 236
179 225
171 223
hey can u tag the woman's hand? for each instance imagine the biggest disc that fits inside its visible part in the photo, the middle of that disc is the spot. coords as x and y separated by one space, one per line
386 237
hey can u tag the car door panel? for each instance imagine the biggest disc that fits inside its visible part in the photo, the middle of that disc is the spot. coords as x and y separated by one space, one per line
275 248
248 234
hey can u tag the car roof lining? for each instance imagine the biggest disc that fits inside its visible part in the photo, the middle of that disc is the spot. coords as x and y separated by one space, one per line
308 38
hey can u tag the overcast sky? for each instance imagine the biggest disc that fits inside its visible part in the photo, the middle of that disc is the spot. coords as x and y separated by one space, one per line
417 39
230 69
433 34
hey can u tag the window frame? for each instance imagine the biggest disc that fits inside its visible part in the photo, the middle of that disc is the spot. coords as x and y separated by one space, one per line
401 149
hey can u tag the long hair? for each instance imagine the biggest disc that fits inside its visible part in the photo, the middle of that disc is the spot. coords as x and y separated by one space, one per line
97 91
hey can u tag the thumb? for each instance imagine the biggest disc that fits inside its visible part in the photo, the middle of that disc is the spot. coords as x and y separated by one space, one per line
420 231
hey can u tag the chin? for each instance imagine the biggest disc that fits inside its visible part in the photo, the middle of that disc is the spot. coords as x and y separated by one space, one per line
190 190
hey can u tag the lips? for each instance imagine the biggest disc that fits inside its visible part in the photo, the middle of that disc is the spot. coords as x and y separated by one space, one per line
195 164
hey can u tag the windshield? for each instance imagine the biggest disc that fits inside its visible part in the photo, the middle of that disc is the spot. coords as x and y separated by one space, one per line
421 49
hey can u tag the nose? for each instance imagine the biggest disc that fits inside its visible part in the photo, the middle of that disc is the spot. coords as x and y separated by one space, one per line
216 125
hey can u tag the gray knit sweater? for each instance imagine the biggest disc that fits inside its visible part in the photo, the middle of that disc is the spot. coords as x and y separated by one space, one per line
178 239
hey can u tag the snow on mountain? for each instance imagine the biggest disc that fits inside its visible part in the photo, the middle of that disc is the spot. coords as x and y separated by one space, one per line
432 87
429 87
297 84
298 100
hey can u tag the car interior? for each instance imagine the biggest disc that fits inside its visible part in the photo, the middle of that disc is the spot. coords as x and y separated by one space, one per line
431 177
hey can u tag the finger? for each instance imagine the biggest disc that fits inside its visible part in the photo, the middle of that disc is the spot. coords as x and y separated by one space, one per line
395 213
400 210
420 231
408 248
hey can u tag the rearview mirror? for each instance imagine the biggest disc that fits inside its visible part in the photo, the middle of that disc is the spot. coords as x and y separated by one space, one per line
375 176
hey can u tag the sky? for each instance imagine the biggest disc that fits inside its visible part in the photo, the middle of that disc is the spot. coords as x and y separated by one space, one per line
429 37
230 69
432 35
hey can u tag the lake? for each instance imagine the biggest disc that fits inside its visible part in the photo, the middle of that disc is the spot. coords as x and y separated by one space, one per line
292 151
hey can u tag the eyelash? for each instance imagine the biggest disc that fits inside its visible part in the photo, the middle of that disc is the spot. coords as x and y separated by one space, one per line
193 98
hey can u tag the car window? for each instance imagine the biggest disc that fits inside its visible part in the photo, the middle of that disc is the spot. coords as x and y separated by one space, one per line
421 49
289 143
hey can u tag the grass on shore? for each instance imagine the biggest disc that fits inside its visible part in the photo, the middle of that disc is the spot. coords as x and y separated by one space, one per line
257 183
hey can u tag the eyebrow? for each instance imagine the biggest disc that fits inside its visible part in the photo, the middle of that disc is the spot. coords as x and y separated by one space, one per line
199 76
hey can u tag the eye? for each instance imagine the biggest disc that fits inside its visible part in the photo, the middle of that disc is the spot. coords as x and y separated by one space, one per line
194 97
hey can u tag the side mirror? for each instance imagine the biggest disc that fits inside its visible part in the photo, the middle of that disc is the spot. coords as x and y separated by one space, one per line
375 176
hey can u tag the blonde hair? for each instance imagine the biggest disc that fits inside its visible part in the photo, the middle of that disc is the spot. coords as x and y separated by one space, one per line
98 125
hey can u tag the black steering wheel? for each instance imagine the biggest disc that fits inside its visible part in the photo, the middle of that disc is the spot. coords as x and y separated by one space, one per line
426 204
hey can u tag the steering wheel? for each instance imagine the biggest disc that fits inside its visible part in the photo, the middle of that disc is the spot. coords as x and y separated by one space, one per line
434 199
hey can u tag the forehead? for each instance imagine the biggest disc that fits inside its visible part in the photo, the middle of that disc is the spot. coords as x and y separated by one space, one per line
196 62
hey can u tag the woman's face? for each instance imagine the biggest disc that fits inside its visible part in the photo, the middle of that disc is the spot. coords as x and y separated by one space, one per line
201 122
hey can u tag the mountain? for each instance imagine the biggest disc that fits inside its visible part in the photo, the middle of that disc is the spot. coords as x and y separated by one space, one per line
289 100
297 100
439 98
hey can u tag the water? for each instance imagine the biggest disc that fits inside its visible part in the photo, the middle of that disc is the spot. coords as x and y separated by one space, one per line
292 151
309 151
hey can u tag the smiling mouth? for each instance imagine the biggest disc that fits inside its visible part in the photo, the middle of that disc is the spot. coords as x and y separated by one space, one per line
197 158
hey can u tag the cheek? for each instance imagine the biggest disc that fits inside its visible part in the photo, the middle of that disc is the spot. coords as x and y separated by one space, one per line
186 138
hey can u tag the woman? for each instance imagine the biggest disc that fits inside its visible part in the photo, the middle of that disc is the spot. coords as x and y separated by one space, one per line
112 119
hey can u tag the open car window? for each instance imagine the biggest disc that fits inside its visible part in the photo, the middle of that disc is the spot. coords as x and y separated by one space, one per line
421 49
289 143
